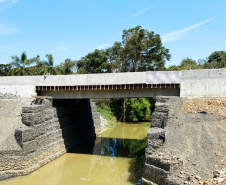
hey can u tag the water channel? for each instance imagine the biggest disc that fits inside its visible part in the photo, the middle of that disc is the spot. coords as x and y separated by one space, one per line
114 158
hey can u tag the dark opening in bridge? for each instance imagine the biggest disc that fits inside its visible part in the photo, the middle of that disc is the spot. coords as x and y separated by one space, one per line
75 118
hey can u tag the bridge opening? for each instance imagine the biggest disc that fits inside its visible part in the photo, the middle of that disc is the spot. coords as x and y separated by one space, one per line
75 119
119 150
117 155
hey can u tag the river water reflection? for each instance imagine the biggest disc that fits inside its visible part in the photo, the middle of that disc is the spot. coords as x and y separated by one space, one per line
114 158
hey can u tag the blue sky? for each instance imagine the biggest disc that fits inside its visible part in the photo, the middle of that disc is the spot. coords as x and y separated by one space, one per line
73 28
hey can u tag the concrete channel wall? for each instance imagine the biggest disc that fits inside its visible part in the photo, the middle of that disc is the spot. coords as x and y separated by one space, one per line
203 83
51 132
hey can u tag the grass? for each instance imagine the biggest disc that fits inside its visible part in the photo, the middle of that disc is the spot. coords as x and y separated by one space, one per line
105 112
103 106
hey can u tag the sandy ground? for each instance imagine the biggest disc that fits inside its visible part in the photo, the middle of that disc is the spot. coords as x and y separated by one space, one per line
200 144
10 119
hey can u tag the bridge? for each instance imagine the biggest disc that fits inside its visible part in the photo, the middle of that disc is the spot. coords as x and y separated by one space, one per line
56 126
187 83
106 85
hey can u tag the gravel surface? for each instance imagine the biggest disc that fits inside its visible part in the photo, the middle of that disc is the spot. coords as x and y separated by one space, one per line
199 142
215 106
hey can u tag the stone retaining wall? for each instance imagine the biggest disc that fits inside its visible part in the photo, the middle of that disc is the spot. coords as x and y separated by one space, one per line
51 132
158 167
97 121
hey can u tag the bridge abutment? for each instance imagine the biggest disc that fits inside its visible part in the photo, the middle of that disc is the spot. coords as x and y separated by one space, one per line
53 128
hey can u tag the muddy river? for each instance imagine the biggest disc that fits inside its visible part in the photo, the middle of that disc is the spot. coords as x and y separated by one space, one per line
114 158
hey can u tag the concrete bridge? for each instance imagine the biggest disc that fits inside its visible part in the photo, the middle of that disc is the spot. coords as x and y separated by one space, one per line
113 85
189 83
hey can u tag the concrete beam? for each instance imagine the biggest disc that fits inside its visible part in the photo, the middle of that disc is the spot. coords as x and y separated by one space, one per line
132 93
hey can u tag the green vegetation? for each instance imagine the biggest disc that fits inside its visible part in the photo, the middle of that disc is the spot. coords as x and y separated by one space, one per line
140 50
215 61
137 109
103 106
20 63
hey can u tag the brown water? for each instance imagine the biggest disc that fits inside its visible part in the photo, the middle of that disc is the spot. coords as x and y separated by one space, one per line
114 158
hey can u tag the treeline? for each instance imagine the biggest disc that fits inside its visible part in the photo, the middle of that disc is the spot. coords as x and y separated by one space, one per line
216 60
22 66
139 50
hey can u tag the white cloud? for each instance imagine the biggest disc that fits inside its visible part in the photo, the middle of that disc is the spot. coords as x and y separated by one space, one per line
103 46
13 1
6 29
180 33
60 48
136 14
5 4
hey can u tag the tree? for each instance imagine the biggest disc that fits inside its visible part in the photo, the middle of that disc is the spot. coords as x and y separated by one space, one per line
20 64
173 68
5 69
49 63
216 60
142 50
41 66
67 67
113 54
138 108
187 63
39 69
95 62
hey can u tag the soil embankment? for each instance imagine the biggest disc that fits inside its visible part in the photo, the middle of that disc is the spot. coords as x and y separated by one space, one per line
10 119
195 135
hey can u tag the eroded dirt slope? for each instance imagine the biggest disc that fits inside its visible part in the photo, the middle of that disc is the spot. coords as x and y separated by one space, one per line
10 119
196 133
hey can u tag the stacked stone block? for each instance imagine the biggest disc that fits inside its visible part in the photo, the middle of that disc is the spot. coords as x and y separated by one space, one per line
96 118
158 167
51 132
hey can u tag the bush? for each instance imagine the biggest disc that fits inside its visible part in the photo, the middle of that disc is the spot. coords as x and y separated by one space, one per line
139 109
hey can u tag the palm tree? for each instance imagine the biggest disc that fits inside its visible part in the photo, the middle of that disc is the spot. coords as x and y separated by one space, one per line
68 66
49 63
41 67
21 63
